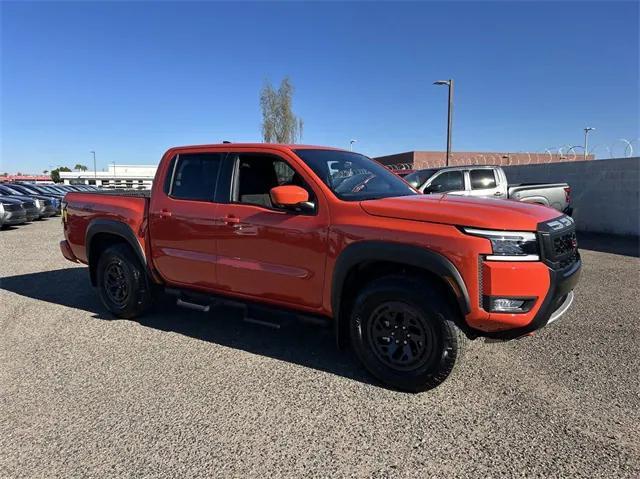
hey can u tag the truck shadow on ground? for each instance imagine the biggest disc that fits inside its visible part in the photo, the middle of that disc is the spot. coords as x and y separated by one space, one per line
295 342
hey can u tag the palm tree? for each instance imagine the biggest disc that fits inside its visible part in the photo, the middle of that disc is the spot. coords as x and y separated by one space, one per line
80 167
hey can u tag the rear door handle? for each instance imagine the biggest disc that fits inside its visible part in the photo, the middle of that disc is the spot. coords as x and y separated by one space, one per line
497 193
165 214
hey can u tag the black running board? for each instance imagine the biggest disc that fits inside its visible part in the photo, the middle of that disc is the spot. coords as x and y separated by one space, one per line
267 315
195 306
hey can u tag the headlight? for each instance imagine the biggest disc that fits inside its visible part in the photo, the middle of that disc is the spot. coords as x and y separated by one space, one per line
37 203
509 245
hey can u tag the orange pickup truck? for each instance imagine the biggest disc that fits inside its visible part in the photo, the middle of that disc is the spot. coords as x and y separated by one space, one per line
405 278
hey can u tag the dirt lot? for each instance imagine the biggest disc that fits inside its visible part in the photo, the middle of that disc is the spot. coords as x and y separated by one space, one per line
186 394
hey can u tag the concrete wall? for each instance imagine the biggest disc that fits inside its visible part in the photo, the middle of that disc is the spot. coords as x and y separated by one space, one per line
605 193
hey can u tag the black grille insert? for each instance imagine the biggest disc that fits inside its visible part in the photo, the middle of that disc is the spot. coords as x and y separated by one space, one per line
559 245
564 244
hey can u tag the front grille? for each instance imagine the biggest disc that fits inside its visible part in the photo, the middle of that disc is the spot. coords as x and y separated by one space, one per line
564 244
559 245
12 207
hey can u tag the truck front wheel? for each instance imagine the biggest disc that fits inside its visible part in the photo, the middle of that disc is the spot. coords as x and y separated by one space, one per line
402 330
122 282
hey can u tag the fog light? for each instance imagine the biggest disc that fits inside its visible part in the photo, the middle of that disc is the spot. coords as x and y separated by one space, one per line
507 305
504 304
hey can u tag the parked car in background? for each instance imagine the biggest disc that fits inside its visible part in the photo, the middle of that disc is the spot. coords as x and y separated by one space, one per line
65 188
51 202
33 206
46 189
44 207
56 189
86 187
489 182
13 212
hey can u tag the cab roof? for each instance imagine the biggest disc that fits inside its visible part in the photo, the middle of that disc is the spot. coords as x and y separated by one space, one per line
270 146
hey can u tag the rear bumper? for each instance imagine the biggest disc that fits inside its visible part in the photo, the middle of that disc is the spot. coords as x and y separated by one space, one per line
66 251
557 302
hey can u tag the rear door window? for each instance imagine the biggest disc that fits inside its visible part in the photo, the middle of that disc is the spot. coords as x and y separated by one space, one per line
482 179
447 181
195 176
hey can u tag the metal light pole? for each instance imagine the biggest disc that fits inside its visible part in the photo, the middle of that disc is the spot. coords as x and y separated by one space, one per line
95 171
351 142
586 140
449 83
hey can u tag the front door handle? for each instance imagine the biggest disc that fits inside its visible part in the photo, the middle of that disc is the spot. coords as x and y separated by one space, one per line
497 193
165 214
231 220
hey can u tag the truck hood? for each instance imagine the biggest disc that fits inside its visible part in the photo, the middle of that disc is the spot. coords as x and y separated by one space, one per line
485 213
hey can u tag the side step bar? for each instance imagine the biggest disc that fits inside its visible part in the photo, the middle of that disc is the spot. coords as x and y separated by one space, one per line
194 306
255 313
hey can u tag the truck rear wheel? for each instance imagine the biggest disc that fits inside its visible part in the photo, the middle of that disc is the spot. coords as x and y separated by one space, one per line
402 330
122 282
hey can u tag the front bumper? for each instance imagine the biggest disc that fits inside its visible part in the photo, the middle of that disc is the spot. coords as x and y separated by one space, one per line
555 304
49 211
14 218
566 304
32 214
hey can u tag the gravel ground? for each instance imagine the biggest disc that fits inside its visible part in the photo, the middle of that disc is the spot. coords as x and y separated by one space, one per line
186 394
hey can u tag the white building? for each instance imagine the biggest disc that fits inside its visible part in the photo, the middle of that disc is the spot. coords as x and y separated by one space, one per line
136 177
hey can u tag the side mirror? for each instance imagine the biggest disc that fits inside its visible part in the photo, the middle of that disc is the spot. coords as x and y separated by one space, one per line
288 196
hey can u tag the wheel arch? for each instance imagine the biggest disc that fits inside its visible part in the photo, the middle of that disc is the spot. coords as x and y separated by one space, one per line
103 233
536 200
383 257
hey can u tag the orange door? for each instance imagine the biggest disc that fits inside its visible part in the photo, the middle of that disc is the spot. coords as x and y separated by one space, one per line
266 252
183 221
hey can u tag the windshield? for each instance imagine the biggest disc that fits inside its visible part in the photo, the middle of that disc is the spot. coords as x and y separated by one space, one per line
352 176
11 191
29 189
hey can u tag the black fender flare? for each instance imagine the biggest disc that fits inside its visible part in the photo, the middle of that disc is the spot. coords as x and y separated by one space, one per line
411 255
115 228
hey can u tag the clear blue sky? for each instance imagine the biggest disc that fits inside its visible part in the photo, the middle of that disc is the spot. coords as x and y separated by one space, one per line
129 80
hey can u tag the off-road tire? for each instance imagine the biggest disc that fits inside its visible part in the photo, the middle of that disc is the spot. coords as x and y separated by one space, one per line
122 282
426 312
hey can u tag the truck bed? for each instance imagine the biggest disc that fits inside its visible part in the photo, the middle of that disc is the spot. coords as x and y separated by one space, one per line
121 192
128 207
533 185
554 195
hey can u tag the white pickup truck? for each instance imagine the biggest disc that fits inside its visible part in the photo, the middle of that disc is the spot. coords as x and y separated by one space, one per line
489 181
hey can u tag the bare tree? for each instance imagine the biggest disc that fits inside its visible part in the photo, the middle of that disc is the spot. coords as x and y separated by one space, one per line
279 123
